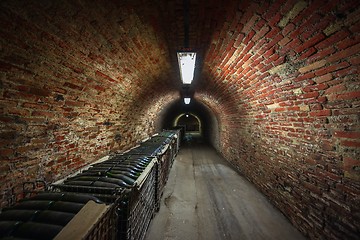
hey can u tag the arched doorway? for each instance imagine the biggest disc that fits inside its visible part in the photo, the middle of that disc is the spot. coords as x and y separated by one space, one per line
191 122
192 126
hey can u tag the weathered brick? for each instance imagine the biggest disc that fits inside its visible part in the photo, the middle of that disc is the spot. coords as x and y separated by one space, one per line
308 95
307 53
324 78
348 42
297 8
36 106
6 152
19 112
239 40
355 60
321 54
310 42
261 33
317 87
280 81
347 143
344 53
312 66
102 75
75 103
39 91
335 89
325 112
306 76
342 134
333 39
72 86
345 96
331 68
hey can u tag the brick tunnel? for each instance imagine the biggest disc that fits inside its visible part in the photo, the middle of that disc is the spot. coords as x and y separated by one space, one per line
276 90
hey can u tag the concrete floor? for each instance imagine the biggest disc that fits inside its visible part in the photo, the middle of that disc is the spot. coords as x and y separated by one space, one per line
206 199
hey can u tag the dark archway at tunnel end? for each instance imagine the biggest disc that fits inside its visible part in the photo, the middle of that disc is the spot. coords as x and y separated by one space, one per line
208 120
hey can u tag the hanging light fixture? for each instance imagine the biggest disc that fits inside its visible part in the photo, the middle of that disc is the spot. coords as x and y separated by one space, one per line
187 100
187 66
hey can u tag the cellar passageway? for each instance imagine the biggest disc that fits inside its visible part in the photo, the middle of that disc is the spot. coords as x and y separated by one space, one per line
206 199
196 118
275 88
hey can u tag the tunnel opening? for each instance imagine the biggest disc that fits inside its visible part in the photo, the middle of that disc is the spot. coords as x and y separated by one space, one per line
190 122
201 122
191 125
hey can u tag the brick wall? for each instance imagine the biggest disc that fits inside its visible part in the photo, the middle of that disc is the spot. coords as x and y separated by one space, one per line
75 85
279 81
286 92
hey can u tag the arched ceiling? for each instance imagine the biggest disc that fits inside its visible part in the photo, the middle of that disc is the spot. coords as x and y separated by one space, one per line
244 48
209 23
277 83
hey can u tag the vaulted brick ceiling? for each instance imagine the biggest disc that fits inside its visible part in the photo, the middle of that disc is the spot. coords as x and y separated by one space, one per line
276 83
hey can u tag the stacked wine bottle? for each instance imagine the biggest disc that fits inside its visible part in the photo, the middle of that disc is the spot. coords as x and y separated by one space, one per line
129 184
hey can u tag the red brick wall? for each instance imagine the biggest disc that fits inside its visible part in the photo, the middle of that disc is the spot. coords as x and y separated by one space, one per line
287 94
75 85
81 79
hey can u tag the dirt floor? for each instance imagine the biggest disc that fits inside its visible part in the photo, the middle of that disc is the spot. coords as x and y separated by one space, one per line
206 199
